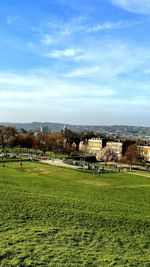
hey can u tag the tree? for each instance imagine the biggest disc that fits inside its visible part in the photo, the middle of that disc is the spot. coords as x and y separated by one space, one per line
126 144
84 135
55 141
25 140
7 136
71 138
41 142
132 154
106 154
51 141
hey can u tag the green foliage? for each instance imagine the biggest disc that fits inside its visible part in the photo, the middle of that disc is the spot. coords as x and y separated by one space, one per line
54 216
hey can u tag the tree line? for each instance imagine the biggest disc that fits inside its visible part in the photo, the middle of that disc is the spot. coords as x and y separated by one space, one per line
64 141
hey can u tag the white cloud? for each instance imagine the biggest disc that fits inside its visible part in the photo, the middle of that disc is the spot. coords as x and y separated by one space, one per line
106 26
63 53
83 72
135 6
109 60
16 87
48 39
113 25
56 31
39 94
42 88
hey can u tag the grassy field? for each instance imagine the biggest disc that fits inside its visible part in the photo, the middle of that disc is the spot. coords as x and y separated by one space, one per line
52 216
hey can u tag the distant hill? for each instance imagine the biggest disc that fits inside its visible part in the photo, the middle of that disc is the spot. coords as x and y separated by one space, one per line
52 126
35 125
118 130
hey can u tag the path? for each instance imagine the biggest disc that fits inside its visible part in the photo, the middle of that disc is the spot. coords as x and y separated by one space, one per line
138 174
60 163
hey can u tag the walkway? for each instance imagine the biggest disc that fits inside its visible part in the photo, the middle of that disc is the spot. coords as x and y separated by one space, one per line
60 163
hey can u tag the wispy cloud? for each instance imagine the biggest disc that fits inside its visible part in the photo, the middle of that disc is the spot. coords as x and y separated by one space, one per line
83 72
12 19
63 53
59 32
115 60
135 6
63 100
106 26
113 25
39 86
48 39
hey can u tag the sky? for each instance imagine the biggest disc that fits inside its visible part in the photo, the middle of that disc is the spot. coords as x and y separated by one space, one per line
75 61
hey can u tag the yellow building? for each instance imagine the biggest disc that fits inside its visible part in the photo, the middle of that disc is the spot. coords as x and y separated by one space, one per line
83 145
145 152
116 147
92 146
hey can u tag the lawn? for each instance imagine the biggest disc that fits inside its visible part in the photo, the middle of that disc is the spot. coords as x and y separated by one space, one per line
51 216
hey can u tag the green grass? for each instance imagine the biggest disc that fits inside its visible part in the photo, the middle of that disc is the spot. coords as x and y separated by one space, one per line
53 216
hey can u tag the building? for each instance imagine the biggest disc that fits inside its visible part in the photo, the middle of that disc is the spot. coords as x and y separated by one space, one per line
83 145
144 152
116 147
91 146
44 129
94 145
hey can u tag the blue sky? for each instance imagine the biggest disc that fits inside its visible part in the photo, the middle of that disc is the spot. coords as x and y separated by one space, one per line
78 61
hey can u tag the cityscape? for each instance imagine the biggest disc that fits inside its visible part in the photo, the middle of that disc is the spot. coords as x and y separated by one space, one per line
74 133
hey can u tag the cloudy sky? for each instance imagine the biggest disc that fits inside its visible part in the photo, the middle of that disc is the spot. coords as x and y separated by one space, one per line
75 61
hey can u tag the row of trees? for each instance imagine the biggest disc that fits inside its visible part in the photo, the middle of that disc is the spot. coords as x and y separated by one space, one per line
10 137
66 140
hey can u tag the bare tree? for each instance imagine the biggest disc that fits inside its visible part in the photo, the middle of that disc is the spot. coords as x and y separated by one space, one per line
106 154
132 154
